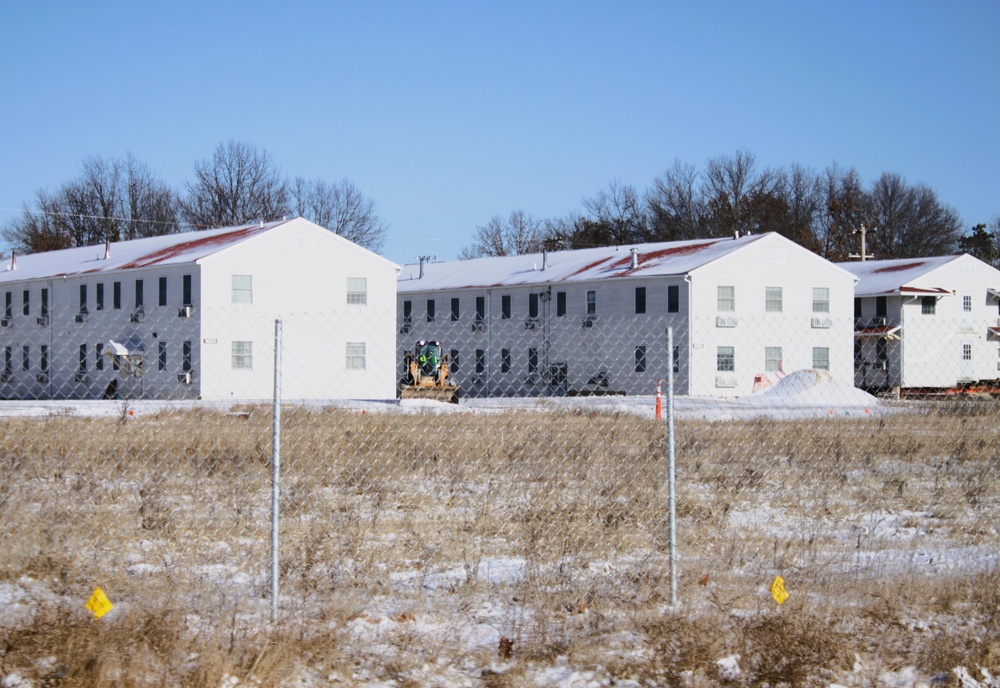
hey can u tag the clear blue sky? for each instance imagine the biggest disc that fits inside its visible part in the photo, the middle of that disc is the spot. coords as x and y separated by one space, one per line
448 113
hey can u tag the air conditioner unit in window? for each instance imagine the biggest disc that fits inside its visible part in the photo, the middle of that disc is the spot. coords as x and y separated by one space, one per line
184 312
531 324
42 377
725 381
822 322
185 377
589 322
81 376
43 320
81 317
138 317
726 321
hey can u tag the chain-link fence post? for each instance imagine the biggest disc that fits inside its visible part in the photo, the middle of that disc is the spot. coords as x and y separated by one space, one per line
275 470
671 485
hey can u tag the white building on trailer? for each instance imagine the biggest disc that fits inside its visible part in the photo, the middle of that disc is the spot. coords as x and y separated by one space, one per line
594 320
925 323
192 316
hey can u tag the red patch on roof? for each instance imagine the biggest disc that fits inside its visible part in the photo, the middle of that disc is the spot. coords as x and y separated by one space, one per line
217 240
590 266
654 256
898 268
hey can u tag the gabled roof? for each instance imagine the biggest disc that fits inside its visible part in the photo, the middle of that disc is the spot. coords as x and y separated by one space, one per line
672 258
172 249
908 276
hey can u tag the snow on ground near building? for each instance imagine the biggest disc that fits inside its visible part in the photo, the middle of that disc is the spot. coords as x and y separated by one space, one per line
800 394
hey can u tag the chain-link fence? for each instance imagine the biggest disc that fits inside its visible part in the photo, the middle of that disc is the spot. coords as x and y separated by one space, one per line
519 536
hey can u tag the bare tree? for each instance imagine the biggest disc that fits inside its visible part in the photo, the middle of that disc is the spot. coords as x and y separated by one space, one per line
842 213
738 198
676 210
110 199
909 220
983 243
519 233
239 185
615 216
341 208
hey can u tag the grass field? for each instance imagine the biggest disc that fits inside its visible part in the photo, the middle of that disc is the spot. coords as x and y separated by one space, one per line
500 549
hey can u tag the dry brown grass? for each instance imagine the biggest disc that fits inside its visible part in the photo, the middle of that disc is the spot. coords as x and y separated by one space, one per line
548 528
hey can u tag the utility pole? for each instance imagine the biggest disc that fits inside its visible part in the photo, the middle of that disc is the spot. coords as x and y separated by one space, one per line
864 255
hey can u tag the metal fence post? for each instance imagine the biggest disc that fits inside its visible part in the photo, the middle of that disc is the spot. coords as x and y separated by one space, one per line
671 484
275 469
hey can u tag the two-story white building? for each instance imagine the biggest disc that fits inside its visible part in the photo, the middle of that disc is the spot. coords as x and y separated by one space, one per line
595 320
192 316
925 323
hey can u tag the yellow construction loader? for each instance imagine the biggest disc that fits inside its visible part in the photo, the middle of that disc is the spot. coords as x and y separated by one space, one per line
427 374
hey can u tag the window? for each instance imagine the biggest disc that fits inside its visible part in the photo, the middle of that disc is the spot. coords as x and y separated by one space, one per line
966 352
533 305
591 302
163 291
26 302
859 356
505 307
242 289
44 310
821 299
430 310
881 306
726 296
8 306
967 303
677 358
8 362
857 309
99 297
480 361
187 356
454 309
453 359
882 350
640 359
243 355
673 299
139 295
532 361
928 305
43 359
726 359
480 309
560 304
772 359
357 291
83 298
407 313
504 360
161 356
98 356
83 358
772 299
26 357
821 358
640 300
356 359
116 296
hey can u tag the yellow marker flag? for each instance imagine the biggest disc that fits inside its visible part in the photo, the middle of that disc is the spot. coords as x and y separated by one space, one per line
778 590
99 604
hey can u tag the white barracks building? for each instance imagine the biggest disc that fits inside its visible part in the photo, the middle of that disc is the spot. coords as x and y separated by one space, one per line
192 316
594 320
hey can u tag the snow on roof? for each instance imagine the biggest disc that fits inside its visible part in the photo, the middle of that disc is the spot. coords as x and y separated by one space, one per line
882 277
580 265
171 249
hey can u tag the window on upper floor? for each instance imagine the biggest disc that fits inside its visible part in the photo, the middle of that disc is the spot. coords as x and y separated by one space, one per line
967 303
162 286
821 299
928 305
83 298
431 310
560 304
640 300
116 296
505 307
726 298
673 298
773 299
186 291
591 302
455 309
140 297
357 291
242 289
99 296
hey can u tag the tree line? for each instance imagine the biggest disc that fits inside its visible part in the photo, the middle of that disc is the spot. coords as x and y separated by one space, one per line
123 199
823 212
